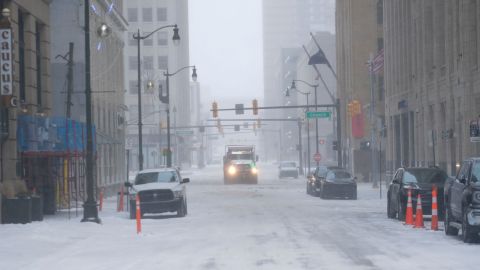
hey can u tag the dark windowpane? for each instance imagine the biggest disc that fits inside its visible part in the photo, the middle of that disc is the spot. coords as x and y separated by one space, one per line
132 15
147 14
161 14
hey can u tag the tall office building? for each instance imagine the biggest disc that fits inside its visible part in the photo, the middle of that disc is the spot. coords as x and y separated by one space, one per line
432 81
359 34
158 54
287 24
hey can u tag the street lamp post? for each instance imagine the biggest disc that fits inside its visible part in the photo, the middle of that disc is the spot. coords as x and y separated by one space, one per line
138 37
307 94
314 86
166 99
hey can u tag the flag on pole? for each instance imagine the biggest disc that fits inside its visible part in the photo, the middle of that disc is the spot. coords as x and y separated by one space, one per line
378 62
319 58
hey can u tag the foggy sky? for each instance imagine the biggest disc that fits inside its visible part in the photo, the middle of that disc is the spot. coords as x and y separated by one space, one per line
226 46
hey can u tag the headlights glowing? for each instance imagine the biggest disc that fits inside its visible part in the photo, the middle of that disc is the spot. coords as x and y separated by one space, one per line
254 170
232 170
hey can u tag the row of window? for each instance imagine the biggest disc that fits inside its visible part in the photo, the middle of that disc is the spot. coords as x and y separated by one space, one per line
147 62
147 15
162 39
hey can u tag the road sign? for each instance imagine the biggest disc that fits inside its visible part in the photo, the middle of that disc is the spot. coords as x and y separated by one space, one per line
318 114
184 132
317 157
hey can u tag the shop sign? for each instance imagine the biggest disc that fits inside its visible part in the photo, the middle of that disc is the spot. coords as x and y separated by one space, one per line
6 62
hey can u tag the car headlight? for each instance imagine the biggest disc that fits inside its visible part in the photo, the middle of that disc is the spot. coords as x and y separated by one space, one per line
232 170
476 197
177 193
254 170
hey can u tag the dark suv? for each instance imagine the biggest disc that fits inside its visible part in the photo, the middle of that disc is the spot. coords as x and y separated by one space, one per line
462 202
420 181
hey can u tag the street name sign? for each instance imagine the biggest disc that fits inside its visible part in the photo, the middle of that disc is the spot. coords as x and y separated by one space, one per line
318 114
184 132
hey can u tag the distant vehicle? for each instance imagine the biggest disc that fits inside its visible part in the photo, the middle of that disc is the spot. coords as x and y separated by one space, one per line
288 169
419 181
338 184
313 180
462 202
239 164
160 190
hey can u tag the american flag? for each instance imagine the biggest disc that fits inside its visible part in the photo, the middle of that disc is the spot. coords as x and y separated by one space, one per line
378 61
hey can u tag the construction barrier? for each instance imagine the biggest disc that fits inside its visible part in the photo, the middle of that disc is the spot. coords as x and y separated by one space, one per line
434 225
120 200
419 214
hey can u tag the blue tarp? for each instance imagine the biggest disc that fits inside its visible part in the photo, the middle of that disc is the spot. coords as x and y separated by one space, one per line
51 134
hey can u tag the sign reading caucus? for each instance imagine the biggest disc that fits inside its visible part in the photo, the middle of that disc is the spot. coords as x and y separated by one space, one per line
6 62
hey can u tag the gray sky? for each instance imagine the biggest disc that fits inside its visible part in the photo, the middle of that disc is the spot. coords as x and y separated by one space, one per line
226 46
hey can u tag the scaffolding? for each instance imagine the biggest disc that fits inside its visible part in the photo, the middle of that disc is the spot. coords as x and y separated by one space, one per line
52 155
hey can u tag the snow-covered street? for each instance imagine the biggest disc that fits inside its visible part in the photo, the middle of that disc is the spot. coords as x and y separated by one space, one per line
272 225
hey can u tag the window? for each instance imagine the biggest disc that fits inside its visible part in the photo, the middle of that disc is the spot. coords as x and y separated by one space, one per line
380 12
162 14
148 62
162 38
132 63
380 44
163 62
132 15
149 40
147 14
133 87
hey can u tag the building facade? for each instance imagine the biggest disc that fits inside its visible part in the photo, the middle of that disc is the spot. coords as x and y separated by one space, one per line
108 88
432 81
359 34
158 54
287 24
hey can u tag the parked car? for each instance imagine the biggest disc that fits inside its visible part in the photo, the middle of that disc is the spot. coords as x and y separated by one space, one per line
462 202
338 183
313 180
419 181
288 169
159 190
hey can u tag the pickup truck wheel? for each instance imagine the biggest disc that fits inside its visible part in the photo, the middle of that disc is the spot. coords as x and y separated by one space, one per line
182 209
467 235
449 230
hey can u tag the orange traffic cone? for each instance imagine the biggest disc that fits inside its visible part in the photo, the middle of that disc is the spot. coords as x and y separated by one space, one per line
100 206
409 214
120 201
138 214
434 226
419 214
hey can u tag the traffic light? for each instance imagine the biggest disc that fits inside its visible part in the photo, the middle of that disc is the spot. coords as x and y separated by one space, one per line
357 107
255 107
335 145
350 109
215 109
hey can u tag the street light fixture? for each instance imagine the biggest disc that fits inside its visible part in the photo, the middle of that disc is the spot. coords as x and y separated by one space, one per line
176 42
166 99
307 94
315 86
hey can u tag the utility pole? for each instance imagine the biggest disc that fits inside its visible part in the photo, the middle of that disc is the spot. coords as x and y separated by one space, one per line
70 79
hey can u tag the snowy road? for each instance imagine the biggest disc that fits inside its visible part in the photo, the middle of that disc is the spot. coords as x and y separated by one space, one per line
273 225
